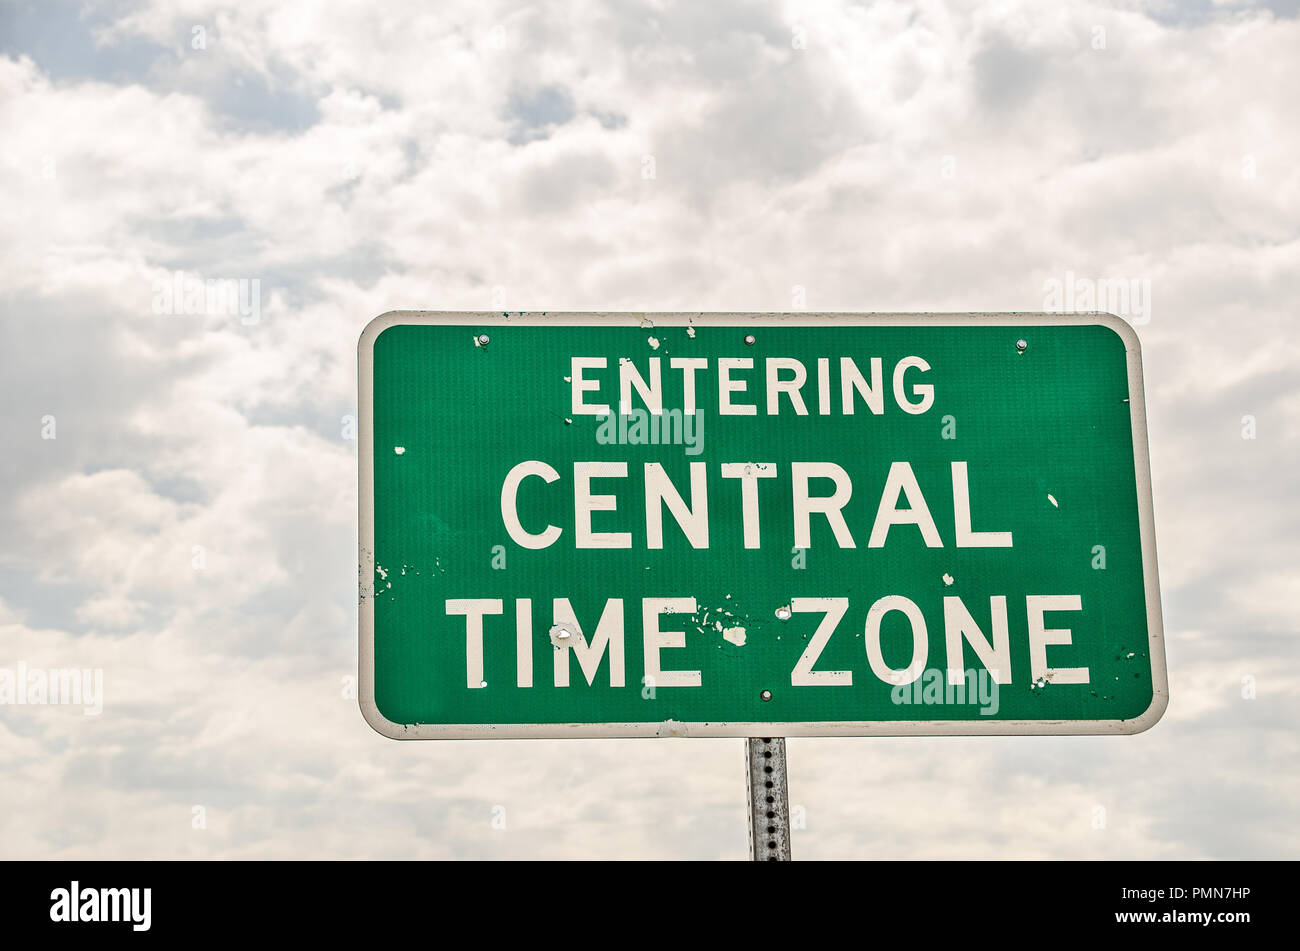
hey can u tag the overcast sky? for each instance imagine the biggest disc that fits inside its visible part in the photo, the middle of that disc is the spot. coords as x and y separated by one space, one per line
190 528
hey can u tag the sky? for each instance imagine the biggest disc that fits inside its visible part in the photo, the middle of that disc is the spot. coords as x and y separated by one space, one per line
178 490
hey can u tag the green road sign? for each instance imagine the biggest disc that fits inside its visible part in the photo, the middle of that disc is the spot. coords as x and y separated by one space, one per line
755 524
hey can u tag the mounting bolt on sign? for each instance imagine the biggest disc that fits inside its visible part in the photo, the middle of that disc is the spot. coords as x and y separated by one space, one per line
757 526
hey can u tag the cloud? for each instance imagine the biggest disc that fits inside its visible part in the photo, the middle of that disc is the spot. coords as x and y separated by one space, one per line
191 528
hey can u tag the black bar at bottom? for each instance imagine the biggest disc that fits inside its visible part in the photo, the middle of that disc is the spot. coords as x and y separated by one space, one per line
337 901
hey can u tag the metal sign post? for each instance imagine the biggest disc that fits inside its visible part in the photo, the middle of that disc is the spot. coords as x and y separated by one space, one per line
769 800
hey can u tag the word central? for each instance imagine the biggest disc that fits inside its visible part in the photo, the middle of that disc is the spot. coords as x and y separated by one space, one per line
693 518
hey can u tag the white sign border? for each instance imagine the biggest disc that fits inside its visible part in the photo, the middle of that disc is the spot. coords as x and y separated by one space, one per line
478 731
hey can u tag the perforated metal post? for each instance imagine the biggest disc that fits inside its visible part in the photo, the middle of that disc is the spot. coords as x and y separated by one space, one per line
769 800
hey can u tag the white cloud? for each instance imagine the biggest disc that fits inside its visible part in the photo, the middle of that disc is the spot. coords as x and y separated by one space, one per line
355 162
